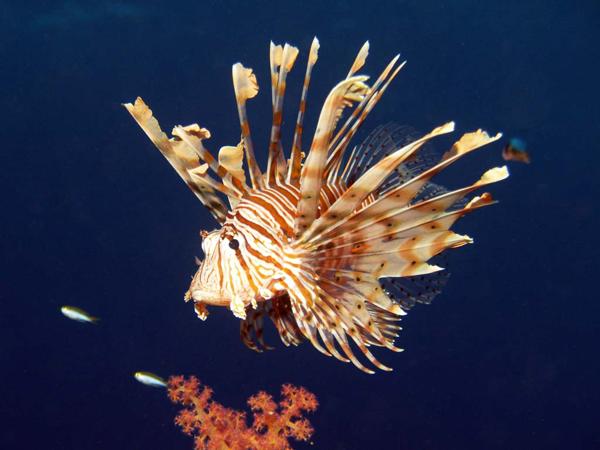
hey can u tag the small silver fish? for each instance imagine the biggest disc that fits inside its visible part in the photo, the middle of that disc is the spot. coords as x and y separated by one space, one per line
78 314
150 379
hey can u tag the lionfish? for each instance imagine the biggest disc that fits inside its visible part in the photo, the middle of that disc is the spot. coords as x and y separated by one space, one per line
331 246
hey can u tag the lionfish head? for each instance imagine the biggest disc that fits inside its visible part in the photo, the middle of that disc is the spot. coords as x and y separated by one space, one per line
220 277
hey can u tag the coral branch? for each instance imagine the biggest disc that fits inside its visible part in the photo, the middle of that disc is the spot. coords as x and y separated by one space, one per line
214 426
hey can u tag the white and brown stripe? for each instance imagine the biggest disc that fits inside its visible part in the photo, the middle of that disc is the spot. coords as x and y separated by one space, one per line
245 87
285 59
296 152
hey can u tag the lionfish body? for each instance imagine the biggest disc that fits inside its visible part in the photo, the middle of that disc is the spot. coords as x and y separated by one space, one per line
320 244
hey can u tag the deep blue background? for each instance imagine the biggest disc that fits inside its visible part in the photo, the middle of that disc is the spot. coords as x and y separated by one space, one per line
92 215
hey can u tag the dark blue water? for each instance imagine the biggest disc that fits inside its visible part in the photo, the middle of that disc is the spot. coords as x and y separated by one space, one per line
92 215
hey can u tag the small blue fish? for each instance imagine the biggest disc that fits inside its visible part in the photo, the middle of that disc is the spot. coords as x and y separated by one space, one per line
515 150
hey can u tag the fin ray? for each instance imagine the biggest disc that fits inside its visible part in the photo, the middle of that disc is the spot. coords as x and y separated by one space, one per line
181 159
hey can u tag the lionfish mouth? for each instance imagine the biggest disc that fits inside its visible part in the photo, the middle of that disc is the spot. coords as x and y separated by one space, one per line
215 298
218 298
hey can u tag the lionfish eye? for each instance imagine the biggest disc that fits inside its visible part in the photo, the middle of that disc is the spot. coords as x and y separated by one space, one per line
234 244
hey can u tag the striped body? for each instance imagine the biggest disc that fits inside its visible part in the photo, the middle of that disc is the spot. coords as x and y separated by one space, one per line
332 247
262 264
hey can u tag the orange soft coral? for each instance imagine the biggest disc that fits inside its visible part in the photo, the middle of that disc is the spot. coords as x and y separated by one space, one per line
215 427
